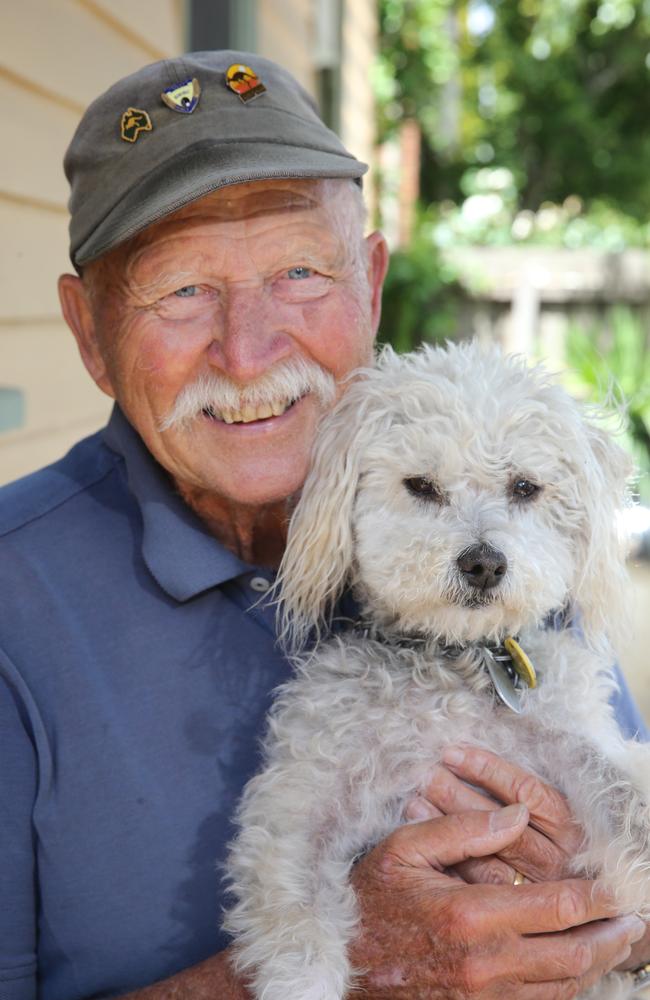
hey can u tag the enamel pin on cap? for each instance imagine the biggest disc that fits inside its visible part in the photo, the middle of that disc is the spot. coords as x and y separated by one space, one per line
134 121
244 82
183 97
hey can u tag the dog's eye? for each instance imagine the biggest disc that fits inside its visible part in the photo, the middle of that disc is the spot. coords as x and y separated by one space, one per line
523 489
420 486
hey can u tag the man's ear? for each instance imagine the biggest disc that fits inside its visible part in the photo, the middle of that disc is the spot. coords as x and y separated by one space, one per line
377 251
79 317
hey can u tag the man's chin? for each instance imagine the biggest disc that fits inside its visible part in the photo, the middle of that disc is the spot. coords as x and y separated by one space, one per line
243 486
254 464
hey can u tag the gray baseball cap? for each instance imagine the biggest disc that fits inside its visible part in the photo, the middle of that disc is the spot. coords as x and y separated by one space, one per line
180 128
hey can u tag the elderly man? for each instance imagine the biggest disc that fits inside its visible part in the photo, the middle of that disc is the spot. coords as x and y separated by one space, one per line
225 289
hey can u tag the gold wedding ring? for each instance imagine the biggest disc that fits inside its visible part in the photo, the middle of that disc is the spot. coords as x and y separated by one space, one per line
519 879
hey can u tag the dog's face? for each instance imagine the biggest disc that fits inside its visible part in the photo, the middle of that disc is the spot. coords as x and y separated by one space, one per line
476 497
466 514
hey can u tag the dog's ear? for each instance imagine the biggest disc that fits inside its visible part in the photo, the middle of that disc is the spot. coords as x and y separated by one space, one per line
319 552
601 586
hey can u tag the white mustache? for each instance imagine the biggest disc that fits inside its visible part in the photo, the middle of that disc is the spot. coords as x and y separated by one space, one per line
287 381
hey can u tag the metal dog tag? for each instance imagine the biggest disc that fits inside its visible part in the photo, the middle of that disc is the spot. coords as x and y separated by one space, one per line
503 682
521 662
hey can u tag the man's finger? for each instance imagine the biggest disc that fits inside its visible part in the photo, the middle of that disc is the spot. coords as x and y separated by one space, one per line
487 871
509 783
640 952
421 808
558 989
444 842
534 854
539 908
586 953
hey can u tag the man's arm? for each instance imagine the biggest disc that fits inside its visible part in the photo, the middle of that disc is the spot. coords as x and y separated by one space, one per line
425 934
213 979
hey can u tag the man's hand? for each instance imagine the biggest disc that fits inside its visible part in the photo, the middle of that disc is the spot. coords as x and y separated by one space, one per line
546 847
548 844
427 935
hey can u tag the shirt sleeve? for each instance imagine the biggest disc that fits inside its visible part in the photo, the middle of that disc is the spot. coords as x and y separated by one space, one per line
18 784
627 712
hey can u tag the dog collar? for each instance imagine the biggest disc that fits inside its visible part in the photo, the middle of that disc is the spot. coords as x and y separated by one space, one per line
509 666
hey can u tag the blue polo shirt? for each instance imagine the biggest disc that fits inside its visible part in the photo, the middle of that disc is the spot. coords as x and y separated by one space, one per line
136 668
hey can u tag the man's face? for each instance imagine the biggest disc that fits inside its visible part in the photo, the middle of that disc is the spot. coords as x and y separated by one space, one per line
243 280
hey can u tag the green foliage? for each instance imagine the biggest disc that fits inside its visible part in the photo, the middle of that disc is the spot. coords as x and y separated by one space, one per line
535 130
489 216
417 57
421 300
613 362
553 90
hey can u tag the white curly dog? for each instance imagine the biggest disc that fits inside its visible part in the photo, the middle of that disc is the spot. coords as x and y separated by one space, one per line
464 498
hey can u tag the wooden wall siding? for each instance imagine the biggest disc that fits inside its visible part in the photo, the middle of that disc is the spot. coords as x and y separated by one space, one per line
285 32
153 26
57 394
30 262
40 131
55 57
81 47
359 46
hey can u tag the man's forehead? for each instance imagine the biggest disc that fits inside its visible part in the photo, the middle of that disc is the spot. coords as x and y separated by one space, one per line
322 203
247 201
241 203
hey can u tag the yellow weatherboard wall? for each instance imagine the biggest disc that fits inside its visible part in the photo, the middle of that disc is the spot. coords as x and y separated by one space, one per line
55 57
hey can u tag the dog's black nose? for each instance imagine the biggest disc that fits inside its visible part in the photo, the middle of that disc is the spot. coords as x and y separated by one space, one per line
482 566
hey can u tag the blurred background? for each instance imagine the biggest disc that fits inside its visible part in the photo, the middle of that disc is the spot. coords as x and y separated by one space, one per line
509 143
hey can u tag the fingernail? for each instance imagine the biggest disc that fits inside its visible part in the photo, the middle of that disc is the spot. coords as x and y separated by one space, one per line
419 809
502 819
453 756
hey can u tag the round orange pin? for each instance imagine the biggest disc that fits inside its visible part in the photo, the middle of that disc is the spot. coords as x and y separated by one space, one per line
244 82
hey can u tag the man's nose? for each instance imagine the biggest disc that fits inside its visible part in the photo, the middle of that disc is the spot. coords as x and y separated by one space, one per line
251 337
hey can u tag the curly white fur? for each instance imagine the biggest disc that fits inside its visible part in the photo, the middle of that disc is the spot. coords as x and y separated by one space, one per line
359 728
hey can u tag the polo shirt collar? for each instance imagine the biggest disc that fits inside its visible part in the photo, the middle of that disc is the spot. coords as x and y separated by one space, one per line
180 553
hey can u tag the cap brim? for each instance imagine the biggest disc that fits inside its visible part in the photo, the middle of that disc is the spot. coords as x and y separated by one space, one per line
198 170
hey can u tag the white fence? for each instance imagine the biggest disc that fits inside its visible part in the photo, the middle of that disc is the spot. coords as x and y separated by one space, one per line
527 297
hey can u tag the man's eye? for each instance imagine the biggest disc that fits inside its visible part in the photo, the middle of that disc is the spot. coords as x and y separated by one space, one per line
299 273
187 291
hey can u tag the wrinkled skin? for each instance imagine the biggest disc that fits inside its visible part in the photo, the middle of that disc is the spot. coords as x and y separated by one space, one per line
467 940
233 283
484 941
